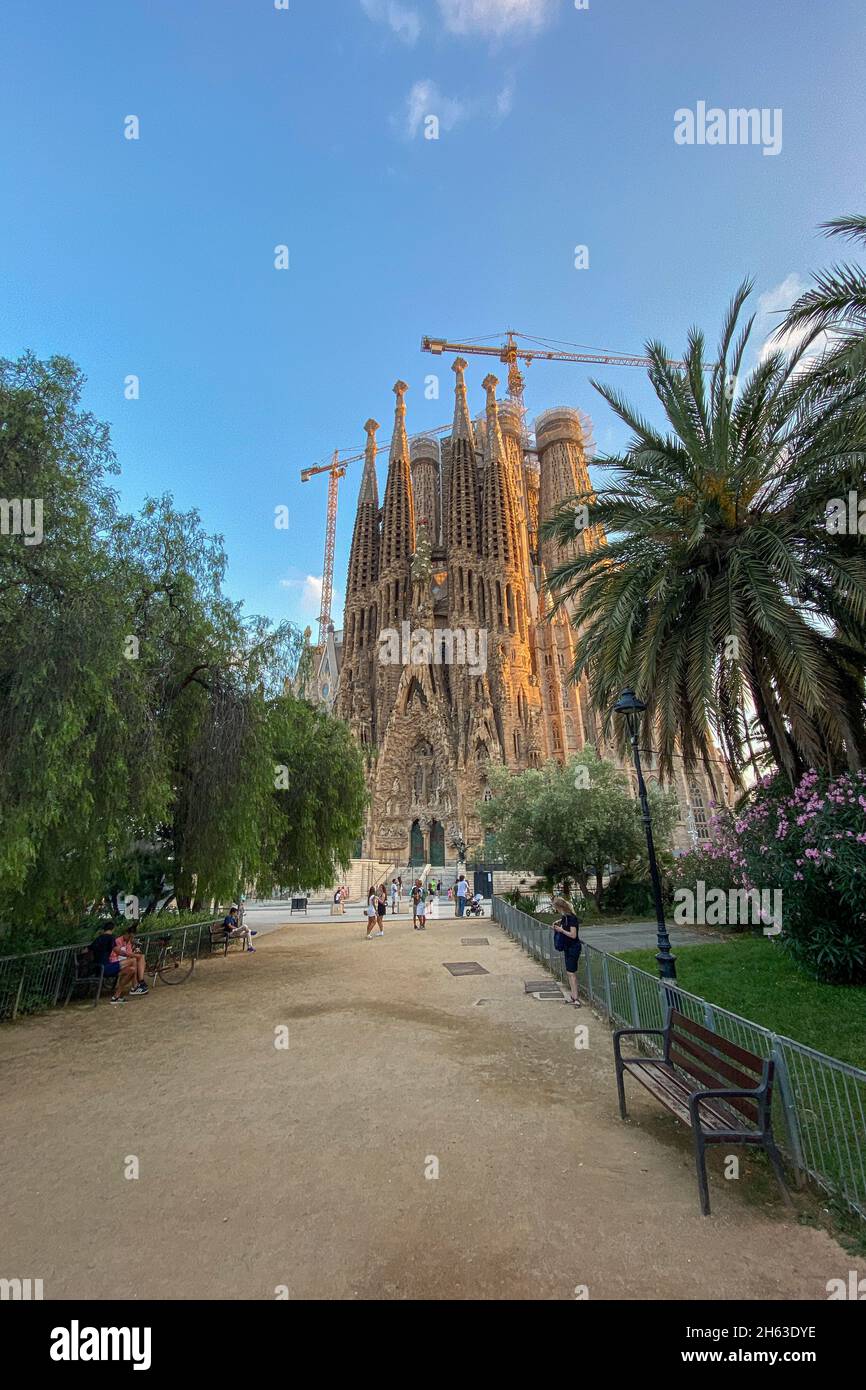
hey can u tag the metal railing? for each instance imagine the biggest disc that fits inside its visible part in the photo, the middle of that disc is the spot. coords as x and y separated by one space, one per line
40 980
819 1103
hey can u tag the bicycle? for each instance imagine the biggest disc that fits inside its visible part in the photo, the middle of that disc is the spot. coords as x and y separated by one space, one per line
170 966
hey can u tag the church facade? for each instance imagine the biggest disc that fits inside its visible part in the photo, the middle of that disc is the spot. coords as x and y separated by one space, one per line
449 661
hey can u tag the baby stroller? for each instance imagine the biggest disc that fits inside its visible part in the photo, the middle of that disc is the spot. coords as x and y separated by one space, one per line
475 906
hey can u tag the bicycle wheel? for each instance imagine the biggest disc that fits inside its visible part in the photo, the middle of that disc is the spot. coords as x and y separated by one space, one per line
174 968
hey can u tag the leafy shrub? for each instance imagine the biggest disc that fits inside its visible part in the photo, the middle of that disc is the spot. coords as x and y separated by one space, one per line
811 844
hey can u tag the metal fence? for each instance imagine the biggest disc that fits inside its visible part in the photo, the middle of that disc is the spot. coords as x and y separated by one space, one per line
40 980
819 1103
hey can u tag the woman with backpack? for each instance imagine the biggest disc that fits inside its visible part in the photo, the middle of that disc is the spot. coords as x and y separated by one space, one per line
566 939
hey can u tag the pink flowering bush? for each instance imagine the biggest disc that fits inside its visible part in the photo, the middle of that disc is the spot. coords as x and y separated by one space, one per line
810 843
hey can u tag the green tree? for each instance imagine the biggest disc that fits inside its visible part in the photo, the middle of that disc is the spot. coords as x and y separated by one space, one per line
317 795
574 821
721 594
141 710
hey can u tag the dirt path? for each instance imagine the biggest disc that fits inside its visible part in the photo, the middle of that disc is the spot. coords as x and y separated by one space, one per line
262 1167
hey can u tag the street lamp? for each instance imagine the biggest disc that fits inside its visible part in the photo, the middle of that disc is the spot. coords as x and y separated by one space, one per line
632 708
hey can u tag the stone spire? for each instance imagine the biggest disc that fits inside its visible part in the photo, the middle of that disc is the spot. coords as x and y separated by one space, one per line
356 692
369 486
561 441
364 555
501 537
397 544
462 529
398 513
462 419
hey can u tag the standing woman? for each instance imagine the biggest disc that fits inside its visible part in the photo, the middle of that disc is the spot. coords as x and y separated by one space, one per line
381 907
567 940
372 912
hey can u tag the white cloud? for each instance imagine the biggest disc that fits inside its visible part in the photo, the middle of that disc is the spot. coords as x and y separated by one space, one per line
772 307
405 23
309 593
425 99
505 100
496 17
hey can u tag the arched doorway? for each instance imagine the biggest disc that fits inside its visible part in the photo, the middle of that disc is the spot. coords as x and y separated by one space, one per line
437 844
416 844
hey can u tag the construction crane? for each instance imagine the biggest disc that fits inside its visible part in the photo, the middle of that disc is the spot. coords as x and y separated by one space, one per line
511 352
336 470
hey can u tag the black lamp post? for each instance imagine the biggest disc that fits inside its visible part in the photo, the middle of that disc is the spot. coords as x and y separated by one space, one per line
632 708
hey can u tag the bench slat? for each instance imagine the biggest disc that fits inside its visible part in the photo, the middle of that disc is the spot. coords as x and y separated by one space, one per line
711 1083
727 1074
682 1023
673 1091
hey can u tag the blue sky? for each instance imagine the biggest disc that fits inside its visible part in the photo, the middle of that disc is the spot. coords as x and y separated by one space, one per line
305 127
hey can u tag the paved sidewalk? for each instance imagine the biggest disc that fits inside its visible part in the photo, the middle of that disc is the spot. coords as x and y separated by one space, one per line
422 1135
640 936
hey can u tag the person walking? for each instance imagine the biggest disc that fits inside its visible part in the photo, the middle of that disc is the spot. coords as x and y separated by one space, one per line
566 938
399 891
381 908
372 912
394 896
462 893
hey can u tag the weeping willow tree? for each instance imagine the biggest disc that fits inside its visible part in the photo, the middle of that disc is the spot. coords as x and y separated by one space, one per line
721 595
141 710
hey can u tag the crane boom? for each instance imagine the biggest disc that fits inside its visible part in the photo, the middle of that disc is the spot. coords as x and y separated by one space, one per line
511 352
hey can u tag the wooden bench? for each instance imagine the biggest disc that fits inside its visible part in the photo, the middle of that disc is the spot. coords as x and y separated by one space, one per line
86 974
220 940
712 1085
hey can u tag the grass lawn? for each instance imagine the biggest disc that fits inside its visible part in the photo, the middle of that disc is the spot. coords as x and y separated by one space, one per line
604 919
753 977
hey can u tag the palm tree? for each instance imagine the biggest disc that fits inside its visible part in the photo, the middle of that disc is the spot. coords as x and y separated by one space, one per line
721 596
833 409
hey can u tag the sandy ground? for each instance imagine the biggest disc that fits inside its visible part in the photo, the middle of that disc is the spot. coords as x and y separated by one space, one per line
306 1167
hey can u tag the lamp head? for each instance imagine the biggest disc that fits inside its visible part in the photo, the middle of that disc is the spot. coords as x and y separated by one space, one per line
629 705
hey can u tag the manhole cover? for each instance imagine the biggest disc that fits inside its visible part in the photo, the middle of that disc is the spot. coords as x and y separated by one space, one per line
474 941
465 967
533 986
550 994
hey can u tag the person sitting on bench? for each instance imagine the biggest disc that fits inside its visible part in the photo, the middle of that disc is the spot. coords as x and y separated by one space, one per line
236 932
127 950
123 973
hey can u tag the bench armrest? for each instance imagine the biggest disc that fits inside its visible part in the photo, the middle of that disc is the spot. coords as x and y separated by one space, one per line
630 1032
756 1093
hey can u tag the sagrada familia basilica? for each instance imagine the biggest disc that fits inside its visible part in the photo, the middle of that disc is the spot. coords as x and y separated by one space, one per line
449 660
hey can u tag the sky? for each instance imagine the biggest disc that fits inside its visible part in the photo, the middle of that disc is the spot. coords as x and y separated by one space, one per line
305 124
